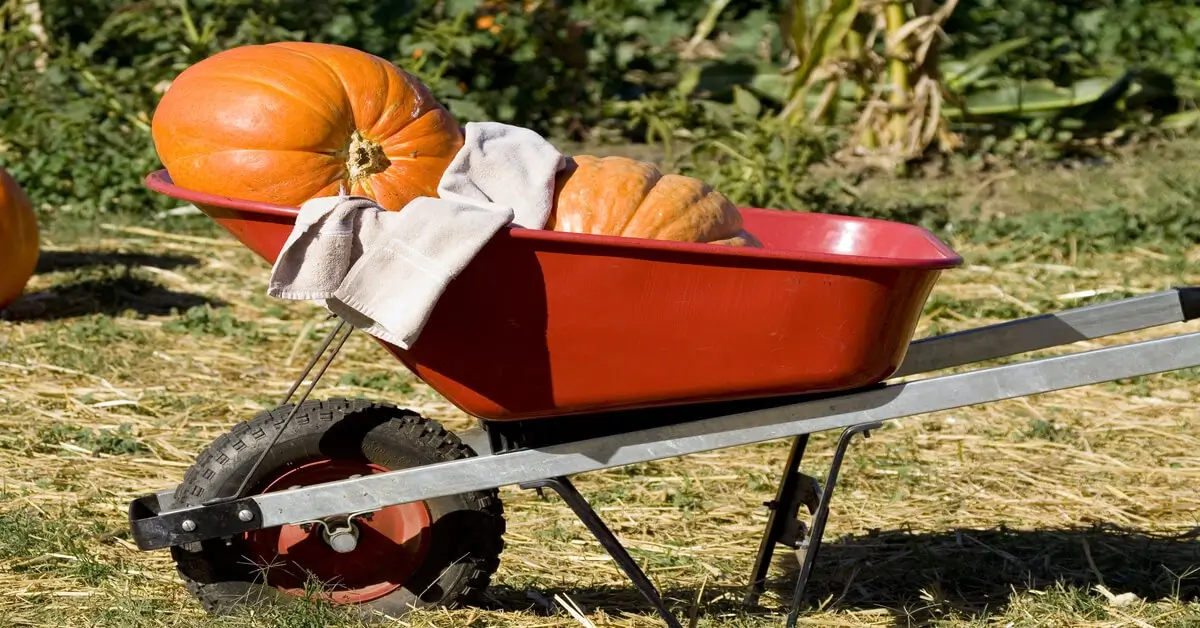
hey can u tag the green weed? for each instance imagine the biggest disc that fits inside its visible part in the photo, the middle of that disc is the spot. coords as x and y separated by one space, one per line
388 381
120 441
204 320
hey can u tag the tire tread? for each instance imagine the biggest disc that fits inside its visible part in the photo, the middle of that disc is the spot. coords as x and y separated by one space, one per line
426 433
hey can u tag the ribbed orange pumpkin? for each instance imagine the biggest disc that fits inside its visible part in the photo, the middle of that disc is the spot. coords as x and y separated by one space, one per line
18 239
286 122
620 196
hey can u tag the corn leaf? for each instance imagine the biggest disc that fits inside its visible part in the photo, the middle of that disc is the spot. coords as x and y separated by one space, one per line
959 75
1182 120
1031 98
818 28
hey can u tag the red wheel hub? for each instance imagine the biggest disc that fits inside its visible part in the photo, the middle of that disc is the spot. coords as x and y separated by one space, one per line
392 542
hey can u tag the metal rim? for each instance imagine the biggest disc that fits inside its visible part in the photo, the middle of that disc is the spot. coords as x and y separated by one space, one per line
945 258
392 542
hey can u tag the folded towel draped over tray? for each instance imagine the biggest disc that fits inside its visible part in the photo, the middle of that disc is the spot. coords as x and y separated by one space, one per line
384 271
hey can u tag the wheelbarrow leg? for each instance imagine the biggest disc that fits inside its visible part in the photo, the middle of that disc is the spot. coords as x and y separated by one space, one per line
808 549
783 524
608 540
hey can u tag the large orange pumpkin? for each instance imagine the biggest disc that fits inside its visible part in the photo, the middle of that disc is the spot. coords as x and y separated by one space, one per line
286 122
18 239
620 196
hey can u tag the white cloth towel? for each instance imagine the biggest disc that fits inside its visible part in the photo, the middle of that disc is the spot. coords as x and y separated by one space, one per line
384 271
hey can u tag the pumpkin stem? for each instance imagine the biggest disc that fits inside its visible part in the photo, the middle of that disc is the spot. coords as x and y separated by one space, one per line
365 158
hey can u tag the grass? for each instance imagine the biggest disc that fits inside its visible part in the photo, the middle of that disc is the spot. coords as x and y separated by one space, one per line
138 344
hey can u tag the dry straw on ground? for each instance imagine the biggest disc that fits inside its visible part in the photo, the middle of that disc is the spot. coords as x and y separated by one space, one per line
1072 509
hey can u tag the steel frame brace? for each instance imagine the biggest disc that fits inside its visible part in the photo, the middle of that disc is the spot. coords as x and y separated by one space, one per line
156 523
788 419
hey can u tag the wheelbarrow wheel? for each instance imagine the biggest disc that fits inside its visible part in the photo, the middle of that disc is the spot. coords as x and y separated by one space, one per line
440 552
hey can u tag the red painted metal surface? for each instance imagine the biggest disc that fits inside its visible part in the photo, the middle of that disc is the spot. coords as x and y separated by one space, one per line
549 324
392 542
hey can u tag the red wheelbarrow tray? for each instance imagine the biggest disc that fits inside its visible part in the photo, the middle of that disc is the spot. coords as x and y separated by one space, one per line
543 323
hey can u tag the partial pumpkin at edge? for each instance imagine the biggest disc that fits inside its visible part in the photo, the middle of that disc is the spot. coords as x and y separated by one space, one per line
620 196
19 233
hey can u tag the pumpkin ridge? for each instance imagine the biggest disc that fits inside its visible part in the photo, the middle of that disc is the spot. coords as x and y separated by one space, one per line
403 82
402 145
393 127
380 65
658 177
387 183
257 80
332 155
336 166
413 120
365 182
333 73
641 204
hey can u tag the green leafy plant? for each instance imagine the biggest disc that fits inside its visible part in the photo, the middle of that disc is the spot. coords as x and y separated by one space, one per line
885 79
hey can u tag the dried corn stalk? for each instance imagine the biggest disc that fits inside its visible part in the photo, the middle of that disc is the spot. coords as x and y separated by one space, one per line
898 94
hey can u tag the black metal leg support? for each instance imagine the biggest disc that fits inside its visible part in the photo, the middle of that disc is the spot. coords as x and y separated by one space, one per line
813 543
783 524
596 526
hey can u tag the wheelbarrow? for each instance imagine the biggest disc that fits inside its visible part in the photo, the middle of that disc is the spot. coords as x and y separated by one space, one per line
578 353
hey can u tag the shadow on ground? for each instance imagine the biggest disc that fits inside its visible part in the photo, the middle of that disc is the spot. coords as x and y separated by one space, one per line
112 292
56 261
969 572
112 296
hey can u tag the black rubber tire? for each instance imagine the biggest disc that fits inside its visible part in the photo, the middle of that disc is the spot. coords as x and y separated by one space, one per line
467 529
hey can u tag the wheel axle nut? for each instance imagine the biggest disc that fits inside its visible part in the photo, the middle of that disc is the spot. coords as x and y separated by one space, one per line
343 541
245 515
